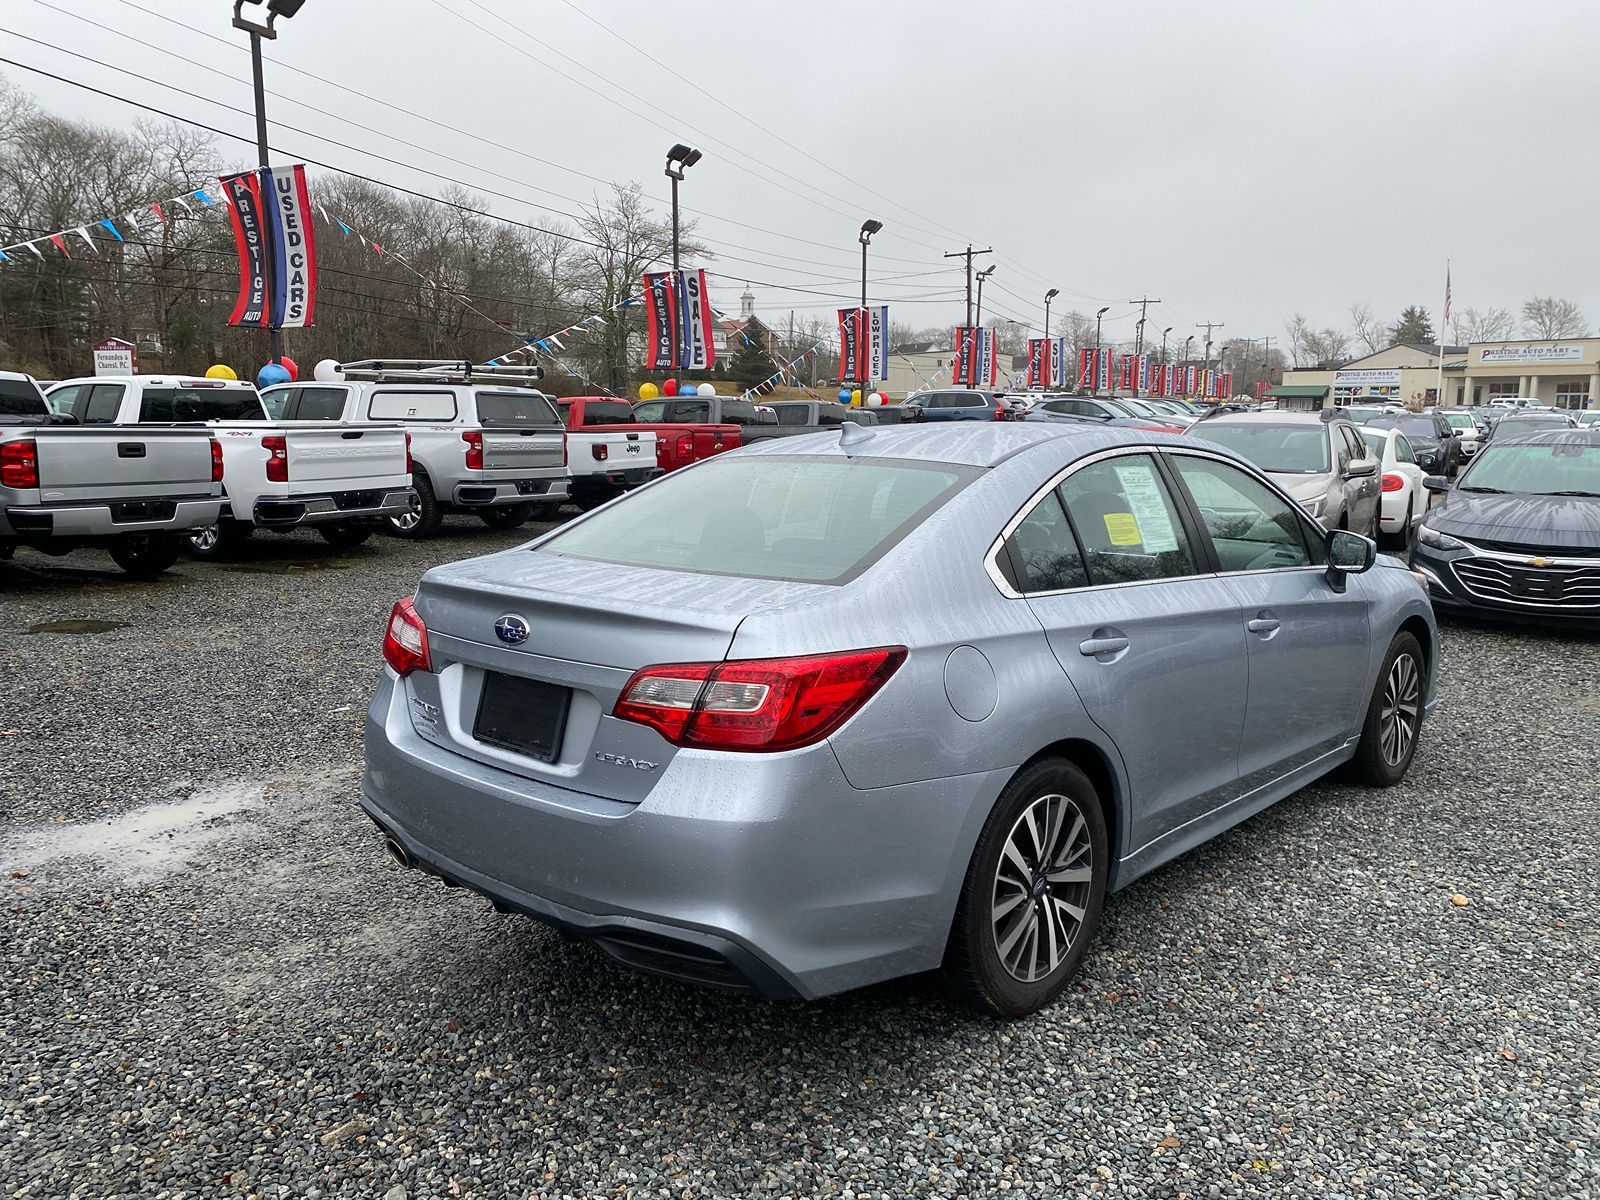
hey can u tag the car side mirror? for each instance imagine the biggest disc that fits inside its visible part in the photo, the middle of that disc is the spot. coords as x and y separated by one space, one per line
1360 468
1436 483
1348 554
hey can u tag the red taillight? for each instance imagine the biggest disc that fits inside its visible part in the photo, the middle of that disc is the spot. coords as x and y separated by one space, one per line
756 704
474 441
564 450
405 641
685 445
600 451
277 448
410 466
216 461
19 463
1393 483
999 412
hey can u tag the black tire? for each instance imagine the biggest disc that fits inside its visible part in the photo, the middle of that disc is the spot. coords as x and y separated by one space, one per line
1376 762
975 965
145 555
222 540
425 516
504 516
590 499
550 510
344 535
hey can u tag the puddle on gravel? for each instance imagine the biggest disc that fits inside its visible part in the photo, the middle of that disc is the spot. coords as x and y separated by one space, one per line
284 568
144 844
78 627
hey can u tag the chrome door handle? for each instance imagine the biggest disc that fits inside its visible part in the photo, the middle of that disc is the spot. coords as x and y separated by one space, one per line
1092 647
1261 624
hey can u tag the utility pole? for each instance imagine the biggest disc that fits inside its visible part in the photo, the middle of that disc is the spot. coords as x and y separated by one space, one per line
968 254
1205 362
1143 302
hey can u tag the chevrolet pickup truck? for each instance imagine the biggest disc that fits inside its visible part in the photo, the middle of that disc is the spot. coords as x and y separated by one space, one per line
134 494
606 452
338 478
484 439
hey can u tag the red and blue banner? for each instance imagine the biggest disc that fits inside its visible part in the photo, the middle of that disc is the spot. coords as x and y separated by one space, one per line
1039 362
243 193
696 351
677 322
852 345
660 321
294 247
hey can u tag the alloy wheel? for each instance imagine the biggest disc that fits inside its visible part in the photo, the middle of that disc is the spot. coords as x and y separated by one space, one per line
1402 708
1042 887
408 520
205 540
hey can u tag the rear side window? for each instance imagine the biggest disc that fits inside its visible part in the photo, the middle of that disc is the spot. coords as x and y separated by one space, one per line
1043 553
520 410
1126 522
802 517
199 404
412 406
19 398
953 400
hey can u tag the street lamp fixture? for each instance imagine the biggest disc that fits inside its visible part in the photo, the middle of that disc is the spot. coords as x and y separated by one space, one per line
977 320
679 159
868 228
275 9
1049 296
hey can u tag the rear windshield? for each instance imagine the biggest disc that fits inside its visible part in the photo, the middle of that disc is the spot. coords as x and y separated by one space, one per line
200 404
516 409
802 517
793 414
1412 427
19 398
1280 449
597 412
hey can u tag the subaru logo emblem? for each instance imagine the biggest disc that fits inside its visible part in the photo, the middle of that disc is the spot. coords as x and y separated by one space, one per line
511 629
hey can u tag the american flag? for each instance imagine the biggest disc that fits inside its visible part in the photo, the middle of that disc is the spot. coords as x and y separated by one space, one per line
1445 320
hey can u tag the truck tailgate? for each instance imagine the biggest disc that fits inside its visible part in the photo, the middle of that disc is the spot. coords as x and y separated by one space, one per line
524 450
345 457
122 462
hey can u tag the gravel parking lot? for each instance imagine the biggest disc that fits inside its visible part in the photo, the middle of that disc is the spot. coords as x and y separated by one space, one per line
216 984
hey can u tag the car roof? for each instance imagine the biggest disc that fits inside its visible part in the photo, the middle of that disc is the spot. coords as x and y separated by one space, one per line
1583 435
157 381
1265 418
959 443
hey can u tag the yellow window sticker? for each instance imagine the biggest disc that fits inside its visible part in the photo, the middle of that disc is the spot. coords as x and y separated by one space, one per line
1122 529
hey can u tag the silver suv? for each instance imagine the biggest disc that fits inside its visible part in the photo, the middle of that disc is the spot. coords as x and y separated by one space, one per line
1319 459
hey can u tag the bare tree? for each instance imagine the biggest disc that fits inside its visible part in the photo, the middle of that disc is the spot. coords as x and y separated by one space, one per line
1548 317
1481 325
1368 329
1313 348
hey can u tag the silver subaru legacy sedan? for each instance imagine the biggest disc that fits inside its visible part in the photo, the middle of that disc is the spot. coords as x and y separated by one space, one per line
847 706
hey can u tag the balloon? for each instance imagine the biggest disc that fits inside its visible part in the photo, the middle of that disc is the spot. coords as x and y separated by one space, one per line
648 391
875 400
221 371
844 395
669 387
272 373
289 365
326 371
706 389
855 396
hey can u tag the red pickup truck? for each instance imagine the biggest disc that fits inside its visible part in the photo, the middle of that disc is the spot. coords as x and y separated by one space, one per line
682 437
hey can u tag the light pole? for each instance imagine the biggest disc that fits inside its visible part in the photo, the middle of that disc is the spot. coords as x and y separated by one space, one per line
1187 342
1096 389
1164 362
981 276
1049 296
679 158
257 31
868 228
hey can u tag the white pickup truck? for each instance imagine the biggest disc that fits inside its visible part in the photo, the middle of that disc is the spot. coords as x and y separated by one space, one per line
339 478
133 493
483 439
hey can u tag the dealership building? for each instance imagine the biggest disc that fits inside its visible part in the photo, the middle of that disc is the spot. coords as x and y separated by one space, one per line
1563 373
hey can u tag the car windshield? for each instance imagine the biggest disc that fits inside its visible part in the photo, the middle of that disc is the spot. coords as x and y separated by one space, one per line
515 409
1414 427
1536 468
196 404
1362 415
1461 420
1521 424
603 412
1280 449
811 518
19 398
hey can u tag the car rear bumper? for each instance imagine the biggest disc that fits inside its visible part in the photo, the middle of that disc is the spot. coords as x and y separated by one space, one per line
488 493
109 518
763 872
631 477
281 512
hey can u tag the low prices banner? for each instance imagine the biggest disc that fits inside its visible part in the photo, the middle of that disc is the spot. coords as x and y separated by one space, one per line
270 211
677 322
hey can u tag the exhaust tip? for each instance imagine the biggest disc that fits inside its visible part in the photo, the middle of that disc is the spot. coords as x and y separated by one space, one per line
398 853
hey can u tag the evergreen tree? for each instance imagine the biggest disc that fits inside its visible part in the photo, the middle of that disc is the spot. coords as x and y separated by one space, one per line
751 364
1413 328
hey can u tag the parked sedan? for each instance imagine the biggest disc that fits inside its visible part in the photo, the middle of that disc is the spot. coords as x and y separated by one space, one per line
1524 421
1519 535
1402 496
1319 457
1437 448
842 707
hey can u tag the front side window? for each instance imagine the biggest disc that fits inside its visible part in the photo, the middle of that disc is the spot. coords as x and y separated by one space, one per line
319 404
276 400
1252 528
101 402
799 517
692 411
1042 555
1126 521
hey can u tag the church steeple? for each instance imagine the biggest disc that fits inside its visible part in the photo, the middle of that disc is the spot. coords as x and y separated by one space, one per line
747 304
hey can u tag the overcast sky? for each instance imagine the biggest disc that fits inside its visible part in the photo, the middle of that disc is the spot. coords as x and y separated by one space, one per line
1240 161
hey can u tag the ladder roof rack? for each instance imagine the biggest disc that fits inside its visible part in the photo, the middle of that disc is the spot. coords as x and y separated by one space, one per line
440 370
